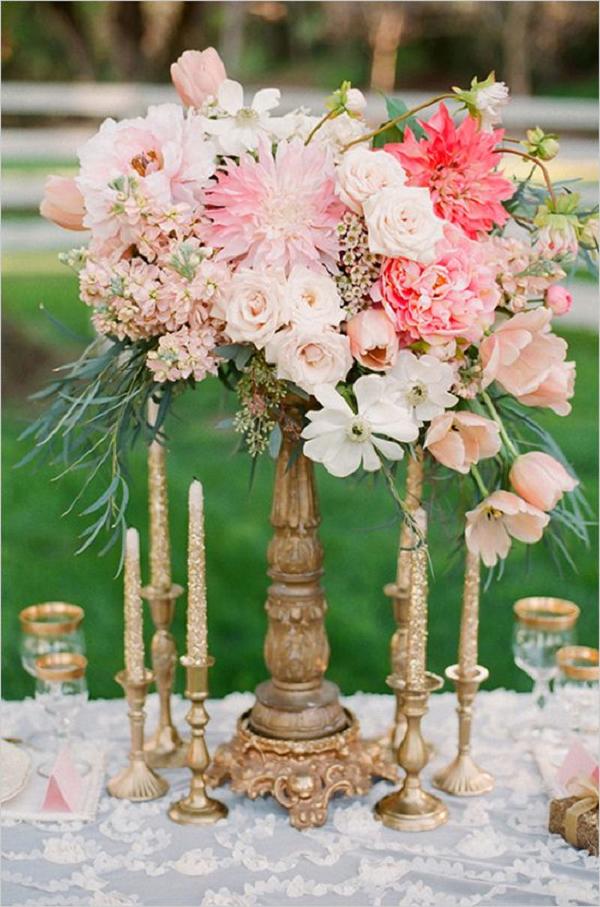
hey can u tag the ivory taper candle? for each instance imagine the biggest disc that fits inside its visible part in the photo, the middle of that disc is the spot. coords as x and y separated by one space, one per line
414 492
134 640
469 621
196 611
160 547
416 645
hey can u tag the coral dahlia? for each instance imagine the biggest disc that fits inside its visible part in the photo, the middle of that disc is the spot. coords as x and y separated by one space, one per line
457 164
278 211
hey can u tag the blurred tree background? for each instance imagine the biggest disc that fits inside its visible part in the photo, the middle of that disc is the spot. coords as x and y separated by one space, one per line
543 48
379 45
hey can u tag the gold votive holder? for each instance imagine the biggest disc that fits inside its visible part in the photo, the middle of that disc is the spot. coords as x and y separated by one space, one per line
463 777
197 808
579 663
164 748
411 808
546 613
137 781
51 619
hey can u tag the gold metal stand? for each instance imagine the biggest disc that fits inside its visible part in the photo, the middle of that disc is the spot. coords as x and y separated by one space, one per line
463 777
197 808
411 808
137 781
165 748
297 743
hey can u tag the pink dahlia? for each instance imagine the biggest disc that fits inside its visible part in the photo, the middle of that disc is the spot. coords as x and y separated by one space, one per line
457 164
454 297
278 211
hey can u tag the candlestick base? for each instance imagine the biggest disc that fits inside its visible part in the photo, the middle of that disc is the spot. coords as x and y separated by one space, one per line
137 781
197 811
463 777
411 808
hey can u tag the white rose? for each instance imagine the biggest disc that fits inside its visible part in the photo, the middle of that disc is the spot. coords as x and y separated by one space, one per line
295 125
313 299
310 358
337 133
355 101
255 307
402 224
362 173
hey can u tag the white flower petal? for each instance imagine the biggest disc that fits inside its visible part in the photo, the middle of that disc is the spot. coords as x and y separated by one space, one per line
324 446
230 96
266 99
368 391
329 398
345 461
370 458
389 449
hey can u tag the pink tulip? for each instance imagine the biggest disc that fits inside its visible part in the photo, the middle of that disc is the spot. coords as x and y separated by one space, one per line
373 339
460 439
63 203
559 300
540 479
527 359
197 75
499 518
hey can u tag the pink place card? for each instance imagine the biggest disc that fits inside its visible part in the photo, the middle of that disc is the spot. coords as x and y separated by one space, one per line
578 761
63 792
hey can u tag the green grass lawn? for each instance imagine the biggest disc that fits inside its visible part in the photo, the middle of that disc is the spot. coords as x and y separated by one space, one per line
359 533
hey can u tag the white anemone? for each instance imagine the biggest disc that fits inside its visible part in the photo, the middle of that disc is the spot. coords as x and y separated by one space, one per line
422 384
240 127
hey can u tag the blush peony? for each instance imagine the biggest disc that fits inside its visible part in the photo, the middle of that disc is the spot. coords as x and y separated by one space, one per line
458 166
455 296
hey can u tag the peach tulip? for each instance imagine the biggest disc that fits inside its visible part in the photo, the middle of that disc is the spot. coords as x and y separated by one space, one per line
460 439
63 203
499 518
540 479
373 339
197 75
528 360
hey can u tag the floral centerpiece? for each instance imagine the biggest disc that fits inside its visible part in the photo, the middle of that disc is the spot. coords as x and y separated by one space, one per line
394 278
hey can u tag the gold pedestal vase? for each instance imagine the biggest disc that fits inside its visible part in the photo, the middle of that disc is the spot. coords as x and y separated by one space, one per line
463 777
297 743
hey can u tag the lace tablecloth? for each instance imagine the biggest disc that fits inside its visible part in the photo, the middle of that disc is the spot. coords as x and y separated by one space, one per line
494 850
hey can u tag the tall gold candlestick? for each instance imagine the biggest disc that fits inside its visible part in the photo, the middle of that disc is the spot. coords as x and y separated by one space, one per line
196 612
134 640
416 643
197 808
160 546
462 776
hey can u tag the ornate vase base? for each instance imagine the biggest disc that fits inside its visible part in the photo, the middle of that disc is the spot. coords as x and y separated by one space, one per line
302 775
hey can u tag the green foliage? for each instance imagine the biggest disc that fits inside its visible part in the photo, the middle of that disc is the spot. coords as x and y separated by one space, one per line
397 108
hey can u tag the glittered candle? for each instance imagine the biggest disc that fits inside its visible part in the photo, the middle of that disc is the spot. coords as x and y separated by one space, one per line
414 491
160 548
469 622
134 640
196 611
416 645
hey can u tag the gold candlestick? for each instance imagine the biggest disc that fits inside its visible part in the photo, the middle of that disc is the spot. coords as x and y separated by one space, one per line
463 777
411 808
399 591
137 781
197 808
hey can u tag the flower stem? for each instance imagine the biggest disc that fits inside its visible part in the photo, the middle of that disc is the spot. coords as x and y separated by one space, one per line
496 417
328 116
395 120
479 481
538 163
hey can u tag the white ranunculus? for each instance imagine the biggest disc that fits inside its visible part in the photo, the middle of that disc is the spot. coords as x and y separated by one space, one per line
342 439
313 299
421 384
310 357
239 128
362 173
490 101
402 223
335 134
255 306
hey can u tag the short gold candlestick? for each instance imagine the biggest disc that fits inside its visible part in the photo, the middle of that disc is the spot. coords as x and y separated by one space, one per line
411 808
137 781
165 748
197 808
463 777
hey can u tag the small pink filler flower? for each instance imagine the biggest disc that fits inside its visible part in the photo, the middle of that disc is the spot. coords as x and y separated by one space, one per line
278 211
457 164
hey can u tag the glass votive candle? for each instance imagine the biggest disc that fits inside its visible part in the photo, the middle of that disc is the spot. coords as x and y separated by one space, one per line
576 687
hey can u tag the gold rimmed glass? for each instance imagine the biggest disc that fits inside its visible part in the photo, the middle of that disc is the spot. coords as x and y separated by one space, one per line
61 690
543 625
576 688
50 627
